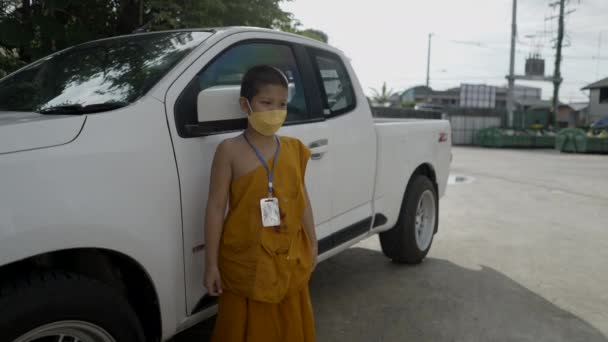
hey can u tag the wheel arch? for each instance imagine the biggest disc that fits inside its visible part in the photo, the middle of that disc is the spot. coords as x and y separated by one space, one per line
427 170
107 266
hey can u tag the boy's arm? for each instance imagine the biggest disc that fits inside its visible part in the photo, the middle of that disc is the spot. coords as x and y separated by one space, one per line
219 186
309 225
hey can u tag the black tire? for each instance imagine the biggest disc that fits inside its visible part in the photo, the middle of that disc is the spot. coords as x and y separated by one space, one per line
399 243
43 298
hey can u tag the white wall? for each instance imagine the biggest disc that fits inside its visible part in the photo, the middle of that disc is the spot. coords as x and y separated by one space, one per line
464 128
597 110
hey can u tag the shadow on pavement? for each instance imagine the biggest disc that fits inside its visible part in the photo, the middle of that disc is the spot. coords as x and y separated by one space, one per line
361 296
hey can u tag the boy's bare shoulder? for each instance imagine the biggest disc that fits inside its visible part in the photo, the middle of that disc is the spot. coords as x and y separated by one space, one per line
289 140
295 142
228 147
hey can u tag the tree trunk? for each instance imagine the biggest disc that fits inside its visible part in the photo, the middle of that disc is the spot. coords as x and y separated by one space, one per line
25 53
141 13
128 14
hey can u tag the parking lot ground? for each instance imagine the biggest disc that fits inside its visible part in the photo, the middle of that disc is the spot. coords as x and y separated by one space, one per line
521 255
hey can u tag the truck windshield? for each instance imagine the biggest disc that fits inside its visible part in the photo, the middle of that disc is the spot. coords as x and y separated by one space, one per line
118 70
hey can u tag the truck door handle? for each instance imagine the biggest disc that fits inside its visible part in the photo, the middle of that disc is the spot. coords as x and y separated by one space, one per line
319 148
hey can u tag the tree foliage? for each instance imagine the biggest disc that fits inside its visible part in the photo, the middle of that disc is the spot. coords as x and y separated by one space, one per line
383 95
31 29
294 26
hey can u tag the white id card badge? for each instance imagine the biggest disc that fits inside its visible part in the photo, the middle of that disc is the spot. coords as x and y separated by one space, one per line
271 216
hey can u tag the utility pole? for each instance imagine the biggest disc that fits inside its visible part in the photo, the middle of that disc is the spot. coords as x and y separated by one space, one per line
428 62
557 75
511 77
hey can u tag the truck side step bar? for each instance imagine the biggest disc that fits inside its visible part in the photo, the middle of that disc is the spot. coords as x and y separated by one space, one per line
349 233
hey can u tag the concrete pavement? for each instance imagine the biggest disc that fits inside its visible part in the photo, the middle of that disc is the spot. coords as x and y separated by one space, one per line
521 255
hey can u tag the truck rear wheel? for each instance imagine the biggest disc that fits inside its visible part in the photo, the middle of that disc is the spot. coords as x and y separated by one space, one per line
411 238
59 306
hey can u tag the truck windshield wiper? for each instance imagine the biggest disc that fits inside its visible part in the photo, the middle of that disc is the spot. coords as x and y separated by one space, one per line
78 109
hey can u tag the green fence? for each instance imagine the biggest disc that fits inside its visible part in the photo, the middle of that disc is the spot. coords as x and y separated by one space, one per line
576 141
572 140
496 137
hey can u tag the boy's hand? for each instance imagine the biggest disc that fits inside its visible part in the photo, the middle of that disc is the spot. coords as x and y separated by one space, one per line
213 281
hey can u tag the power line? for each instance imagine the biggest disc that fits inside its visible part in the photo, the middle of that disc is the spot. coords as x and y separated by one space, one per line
483 45
479 77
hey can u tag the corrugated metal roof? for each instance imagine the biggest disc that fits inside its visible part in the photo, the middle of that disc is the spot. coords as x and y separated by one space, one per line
578 106
534 103
599 84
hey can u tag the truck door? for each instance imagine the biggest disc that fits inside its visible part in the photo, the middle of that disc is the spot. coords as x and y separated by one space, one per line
220 69
353 148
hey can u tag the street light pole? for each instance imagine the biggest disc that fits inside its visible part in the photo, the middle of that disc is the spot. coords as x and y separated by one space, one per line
428 62
511 77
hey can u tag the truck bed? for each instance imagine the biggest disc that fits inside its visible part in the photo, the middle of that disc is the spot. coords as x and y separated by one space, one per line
404 145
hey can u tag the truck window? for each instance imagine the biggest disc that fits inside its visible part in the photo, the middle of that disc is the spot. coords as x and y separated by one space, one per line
116 70
228 70
337 87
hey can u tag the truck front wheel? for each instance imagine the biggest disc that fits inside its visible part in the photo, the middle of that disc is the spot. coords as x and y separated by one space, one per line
411 238
59 306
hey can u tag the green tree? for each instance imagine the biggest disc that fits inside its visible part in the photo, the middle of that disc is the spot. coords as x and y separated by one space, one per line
315 34
292 25
9 60
408 104
383 95
31 29
176 14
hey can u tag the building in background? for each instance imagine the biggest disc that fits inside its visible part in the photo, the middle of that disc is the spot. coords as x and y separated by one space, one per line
573 114
598 100
424 94
467 95
477 96
523 92
529 112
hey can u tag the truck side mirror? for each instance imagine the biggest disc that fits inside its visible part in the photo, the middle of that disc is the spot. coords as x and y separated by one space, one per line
219 103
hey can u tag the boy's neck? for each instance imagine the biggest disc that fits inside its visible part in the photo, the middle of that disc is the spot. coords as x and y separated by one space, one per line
257 138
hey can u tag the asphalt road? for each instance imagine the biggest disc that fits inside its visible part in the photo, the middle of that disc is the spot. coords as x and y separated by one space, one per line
521 255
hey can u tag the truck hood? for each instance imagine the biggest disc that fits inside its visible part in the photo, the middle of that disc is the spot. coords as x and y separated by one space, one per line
21 131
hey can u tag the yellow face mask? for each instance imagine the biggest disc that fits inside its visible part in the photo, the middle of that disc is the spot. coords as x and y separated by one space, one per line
268 122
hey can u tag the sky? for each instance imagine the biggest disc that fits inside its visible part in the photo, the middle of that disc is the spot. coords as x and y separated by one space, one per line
387 40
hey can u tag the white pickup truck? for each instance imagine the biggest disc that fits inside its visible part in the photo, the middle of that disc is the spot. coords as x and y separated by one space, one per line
105 151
